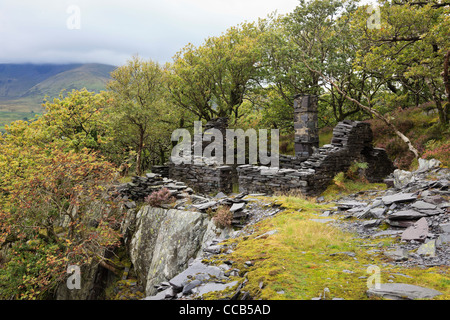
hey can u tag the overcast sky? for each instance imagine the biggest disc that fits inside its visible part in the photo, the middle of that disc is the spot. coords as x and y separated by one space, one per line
111 31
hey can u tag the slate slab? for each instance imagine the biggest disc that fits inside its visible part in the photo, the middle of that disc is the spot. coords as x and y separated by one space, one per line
422 205
350 204
387 233
204 206
428 249
212 286
197 267
187 289
402 291
398 254
399 197
445 227
401 223
443 240
418 231
406 215
237 206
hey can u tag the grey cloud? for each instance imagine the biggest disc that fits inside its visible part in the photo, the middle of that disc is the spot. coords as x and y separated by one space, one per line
111 31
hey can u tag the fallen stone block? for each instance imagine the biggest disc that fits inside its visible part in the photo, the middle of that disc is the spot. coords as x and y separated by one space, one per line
398 254
427 249
399 197
402 291
418 231
406 215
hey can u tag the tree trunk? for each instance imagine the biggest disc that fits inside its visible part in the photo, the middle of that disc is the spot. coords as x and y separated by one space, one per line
139 153
437 100
445 76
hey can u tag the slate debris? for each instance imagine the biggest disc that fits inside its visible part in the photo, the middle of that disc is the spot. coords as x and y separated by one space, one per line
424 201
417 214
140 187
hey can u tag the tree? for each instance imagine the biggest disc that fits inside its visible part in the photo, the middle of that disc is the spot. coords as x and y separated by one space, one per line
48 216
320 33
409 49
212 80
140 114
80 118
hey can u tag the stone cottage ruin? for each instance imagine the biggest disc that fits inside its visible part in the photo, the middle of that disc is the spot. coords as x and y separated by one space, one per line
309 171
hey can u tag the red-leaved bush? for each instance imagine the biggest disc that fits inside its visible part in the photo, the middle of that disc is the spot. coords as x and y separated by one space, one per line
223 217
441 152
157 198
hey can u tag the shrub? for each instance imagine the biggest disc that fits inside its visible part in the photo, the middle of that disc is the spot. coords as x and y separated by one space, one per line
439 151
357 171
223 217
157 198
339 181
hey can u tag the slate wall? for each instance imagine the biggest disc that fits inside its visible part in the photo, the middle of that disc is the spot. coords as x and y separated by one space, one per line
352 141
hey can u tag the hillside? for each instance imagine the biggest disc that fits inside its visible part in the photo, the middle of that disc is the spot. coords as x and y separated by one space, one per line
23 87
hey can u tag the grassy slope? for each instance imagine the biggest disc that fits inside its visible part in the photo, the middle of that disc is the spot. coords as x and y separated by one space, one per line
94 77
296 264
421 125
15 79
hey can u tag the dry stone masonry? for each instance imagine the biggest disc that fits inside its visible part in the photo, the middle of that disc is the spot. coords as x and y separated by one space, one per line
205 179
306 126
310 170
352 141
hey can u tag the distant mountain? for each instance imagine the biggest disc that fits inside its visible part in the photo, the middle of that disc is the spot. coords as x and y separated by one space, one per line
23 87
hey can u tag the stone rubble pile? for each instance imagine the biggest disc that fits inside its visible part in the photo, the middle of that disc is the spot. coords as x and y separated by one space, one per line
141 187
186 199
417 215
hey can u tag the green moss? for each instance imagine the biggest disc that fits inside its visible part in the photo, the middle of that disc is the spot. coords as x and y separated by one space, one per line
297 260
334 192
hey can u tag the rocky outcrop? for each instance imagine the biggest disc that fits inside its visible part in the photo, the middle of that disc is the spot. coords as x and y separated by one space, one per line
161 242
94 279
164 241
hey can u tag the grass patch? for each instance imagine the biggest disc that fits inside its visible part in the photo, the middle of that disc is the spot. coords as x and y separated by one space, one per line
325 135
334 192
304 257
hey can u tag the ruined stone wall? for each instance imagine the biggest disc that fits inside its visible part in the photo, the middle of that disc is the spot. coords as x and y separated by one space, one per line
352 141
306 126
205 179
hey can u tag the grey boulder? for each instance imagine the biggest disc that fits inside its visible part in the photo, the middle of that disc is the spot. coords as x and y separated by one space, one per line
402 291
